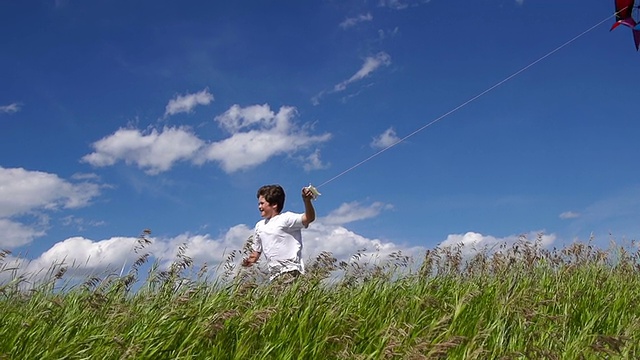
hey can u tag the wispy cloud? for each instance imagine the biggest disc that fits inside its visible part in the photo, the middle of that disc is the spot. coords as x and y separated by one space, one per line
186 103
384 34
401 4
354 211
386 139
371 64
520 2
613 214
569 215
313 162
10 109
353 21
81 224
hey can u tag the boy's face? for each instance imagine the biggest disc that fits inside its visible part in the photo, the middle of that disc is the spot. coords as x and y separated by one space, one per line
267 210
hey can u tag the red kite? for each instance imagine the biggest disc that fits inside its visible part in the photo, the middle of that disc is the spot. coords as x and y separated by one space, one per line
624 16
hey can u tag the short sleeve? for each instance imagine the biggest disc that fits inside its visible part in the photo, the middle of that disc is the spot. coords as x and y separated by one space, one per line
294 220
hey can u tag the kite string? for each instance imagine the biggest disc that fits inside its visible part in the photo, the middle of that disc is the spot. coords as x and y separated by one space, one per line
469 101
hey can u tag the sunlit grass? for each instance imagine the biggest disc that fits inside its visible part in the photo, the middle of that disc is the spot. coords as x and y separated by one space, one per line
517 302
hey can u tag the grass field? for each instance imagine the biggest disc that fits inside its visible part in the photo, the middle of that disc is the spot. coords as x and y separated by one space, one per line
517 302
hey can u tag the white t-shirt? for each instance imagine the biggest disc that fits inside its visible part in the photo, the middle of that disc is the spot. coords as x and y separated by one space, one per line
280 240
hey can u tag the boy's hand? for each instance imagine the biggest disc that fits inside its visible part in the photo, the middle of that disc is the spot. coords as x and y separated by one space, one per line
307 194
310 192
251 259
247 262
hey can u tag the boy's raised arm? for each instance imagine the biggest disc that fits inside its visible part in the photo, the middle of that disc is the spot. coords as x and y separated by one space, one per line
309 212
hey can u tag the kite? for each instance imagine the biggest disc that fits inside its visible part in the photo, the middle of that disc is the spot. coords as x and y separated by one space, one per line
624 16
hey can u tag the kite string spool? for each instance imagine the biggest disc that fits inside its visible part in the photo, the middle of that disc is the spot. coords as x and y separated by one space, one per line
470 100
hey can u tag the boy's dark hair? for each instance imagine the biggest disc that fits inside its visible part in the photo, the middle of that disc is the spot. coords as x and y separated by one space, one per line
273 194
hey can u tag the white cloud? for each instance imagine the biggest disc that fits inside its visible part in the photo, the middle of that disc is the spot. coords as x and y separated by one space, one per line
394 4
257 134
472 242
353 21
261 116
520 2
78 252
354 211
343 243
186 103
401 4
22 191
10 109
313 162
386 139
569 215
267 134
29 192
155 151
85 176
371 64
14 234
202 248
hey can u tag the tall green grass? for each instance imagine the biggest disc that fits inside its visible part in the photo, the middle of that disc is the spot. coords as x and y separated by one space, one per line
517 302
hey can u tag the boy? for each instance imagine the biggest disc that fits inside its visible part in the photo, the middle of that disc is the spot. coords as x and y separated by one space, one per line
279 234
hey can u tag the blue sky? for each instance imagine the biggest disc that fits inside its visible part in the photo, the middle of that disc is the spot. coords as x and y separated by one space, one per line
116 116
